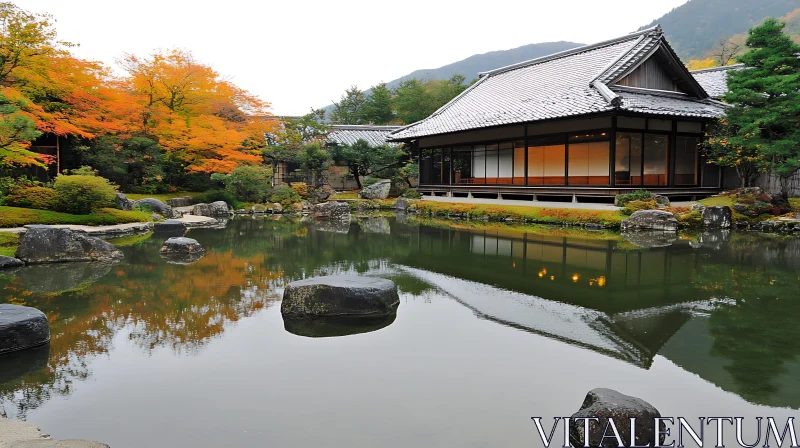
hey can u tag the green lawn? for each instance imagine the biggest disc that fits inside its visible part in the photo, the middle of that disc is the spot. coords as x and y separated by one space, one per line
8 243
718 201
536 214
17 217
163 196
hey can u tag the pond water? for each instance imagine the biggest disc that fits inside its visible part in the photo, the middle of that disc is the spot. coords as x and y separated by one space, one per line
495 325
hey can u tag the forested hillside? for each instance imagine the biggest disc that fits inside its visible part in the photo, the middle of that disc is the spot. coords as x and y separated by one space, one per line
699 25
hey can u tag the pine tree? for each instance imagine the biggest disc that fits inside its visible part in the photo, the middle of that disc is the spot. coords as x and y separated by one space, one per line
765 118
378 107
350 108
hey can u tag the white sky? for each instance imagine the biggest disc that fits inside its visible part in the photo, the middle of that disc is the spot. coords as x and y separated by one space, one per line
303 54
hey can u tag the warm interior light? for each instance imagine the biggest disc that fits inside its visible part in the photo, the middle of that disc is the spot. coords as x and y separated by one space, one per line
552 277
575 278
601 281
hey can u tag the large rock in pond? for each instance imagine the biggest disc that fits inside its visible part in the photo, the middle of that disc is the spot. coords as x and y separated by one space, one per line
401 204
651 220
214 209
181 250
48 244
122 202
10 262
340 295
22 327
717 217
339 211
378 190
609 404
157 206
169 227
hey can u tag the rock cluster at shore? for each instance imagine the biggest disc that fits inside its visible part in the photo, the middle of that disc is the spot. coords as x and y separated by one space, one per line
48 244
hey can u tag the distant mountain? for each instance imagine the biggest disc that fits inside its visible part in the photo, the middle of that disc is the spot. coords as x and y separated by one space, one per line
697 26
471 66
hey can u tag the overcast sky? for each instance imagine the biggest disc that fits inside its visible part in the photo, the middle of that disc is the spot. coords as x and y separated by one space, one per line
303 54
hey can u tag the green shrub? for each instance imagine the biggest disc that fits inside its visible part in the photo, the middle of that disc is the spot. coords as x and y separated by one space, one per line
247 183
82 171
638 195
369 181
82 194
411 193
218 195
301 188
633 206
41 198
10 184
284 195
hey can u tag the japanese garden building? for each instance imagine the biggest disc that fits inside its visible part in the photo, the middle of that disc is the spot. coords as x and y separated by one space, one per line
594 121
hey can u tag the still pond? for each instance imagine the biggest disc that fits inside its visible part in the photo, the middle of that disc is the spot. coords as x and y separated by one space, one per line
495 325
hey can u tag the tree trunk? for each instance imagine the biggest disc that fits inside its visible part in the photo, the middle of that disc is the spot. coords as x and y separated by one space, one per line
785 186
356 174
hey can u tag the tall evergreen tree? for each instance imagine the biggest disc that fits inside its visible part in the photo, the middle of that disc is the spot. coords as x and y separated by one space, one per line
378 107
350 108
764 122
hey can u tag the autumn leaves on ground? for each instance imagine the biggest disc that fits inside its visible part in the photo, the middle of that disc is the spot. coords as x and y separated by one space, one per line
202 122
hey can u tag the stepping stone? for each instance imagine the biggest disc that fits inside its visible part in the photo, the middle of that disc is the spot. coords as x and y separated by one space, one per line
22 327
340 295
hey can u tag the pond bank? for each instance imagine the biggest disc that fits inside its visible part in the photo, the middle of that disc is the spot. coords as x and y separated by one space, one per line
119 230
16 431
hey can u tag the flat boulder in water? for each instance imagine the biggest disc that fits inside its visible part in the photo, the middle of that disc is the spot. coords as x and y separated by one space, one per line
48 244
340 295
22 327
170 227
651 220
181 245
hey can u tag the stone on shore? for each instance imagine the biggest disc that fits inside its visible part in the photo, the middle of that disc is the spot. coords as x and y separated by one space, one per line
651 220
48 244
180 202
22 327
10 262
340 295
122 202
339 211
157 206
401 204
214 209
608 403
170 227
717 217
378 190
258 208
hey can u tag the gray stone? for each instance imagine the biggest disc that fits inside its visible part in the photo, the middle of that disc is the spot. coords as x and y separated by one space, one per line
157 206
401 204
698 207
214 209
717 217
180 202
3 412
275 207
22 327
122 202
306 205
320 194
340 295
181 245
593 226
661 200
258 208
170 227
378 190
48 244
156 217
51 443
10 262
651 220
339 211
607 403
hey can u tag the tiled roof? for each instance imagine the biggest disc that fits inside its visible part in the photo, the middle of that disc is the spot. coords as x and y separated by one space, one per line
565 84
345 134
666 105
715 80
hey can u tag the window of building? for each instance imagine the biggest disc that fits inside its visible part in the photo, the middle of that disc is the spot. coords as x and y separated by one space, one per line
505 162
655 159
426 166
588 163
546 162
462 165
686 160
479 164
519 163
436 171
628 161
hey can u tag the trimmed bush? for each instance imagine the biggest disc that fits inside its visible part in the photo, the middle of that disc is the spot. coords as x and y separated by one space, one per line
300 188
638 195
82 194
218 195
247 183
411 193
634 206
284 195
41 198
